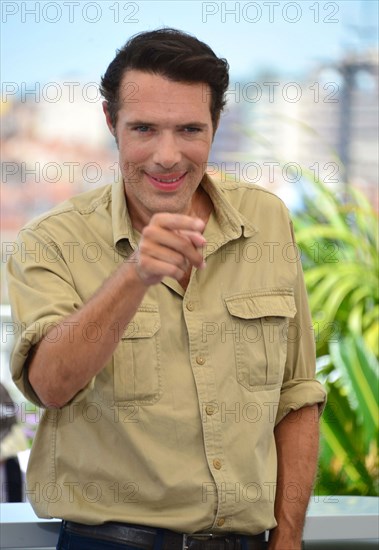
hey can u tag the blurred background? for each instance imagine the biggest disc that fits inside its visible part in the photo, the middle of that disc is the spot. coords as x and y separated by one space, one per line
301 120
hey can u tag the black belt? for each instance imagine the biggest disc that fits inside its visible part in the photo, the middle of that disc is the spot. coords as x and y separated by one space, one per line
146 537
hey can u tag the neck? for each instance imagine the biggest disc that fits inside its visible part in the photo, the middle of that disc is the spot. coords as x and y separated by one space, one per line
202 205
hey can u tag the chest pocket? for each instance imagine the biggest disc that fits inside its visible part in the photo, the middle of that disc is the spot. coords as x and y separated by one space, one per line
260 325
136 360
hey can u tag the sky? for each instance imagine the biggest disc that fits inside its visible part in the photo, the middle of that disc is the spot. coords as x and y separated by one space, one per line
53 41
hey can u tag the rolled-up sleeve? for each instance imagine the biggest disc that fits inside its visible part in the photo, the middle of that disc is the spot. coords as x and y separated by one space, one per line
300 387
42 294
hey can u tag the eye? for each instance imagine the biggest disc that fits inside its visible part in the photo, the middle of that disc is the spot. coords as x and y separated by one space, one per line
192 129
143 129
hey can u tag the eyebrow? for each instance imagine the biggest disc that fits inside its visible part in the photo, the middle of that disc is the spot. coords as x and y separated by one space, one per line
146 123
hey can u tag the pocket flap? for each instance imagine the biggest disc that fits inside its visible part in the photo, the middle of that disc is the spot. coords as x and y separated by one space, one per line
145 323
267 303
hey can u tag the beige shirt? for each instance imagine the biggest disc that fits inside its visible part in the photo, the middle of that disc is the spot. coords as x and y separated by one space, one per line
177 430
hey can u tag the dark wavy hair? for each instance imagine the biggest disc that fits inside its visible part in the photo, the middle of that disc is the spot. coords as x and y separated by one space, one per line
173 54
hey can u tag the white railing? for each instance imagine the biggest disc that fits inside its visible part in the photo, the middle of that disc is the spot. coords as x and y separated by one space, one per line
345 522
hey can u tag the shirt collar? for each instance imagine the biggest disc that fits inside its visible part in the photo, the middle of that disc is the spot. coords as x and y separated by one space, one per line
124 235
230 221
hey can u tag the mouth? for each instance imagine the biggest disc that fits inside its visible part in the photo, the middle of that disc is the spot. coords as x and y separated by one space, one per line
166 182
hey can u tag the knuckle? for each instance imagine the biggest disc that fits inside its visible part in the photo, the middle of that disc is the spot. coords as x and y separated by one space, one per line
143 248
156 219
177 272
147 231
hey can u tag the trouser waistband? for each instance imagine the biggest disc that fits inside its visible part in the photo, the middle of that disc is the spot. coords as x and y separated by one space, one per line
149 538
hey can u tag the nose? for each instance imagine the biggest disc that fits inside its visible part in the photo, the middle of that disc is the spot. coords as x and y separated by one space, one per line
167 152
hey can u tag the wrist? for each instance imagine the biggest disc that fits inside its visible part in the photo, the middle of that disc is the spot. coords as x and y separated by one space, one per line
284 539
132 274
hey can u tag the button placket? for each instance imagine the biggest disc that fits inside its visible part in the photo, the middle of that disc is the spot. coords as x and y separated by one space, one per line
206 388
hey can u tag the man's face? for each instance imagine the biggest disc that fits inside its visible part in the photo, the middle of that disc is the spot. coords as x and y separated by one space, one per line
164 133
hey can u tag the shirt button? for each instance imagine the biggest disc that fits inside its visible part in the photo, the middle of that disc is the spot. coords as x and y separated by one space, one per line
217 464
210 409
190 306
220 522
200 360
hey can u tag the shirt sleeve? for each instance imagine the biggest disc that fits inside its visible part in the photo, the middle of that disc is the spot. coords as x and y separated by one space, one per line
42 295
300 387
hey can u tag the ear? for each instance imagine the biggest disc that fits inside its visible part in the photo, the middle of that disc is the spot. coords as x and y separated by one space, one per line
108 118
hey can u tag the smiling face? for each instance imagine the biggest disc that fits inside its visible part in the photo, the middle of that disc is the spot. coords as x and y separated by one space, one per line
164 134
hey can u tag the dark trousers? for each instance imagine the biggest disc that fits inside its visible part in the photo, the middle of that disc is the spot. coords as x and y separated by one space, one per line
72 541
69 540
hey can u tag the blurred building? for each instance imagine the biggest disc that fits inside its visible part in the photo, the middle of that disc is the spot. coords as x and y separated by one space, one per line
51 151
324 126
346 121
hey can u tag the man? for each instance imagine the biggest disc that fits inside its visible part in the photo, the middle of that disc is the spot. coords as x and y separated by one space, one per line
167 333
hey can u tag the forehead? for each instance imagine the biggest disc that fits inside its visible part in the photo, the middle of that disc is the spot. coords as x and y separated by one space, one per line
153 92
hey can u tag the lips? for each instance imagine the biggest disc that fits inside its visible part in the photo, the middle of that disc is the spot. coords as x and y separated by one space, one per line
166 182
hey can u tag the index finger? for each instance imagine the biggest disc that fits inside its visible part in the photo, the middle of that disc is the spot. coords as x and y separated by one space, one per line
177 222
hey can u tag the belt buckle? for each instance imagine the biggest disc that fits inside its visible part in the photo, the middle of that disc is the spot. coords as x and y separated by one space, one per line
195 536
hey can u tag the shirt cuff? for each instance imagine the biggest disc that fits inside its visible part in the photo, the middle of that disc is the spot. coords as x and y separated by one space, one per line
298 393
29 337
